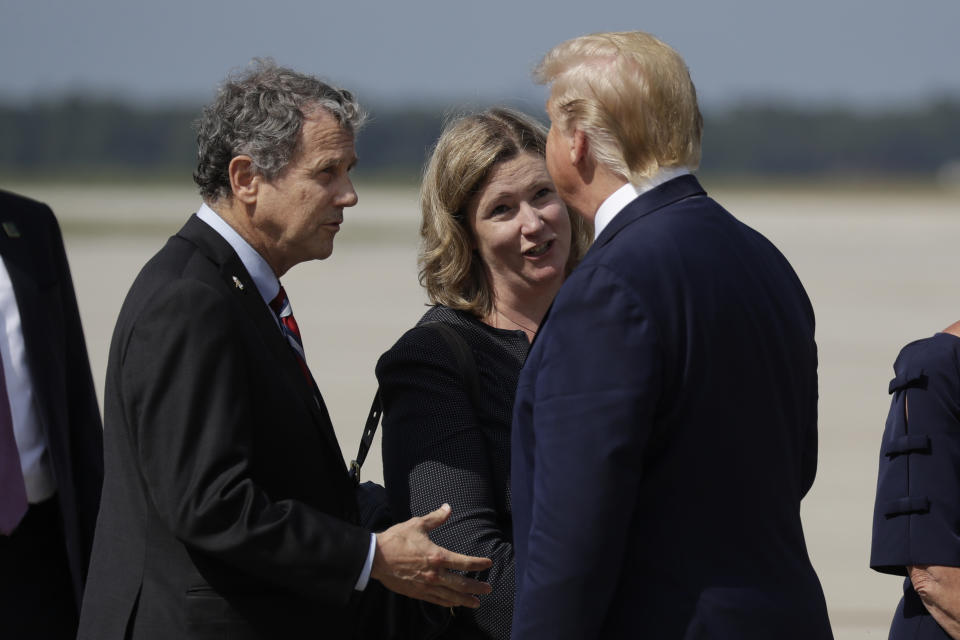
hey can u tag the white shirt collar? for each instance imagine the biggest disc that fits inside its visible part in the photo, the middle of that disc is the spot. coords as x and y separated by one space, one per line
626 194
263 276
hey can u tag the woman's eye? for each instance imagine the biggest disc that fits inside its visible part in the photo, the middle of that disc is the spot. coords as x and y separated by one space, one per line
499 209
542 193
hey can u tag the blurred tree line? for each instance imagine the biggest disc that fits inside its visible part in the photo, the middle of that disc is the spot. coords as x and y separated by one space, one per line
84 137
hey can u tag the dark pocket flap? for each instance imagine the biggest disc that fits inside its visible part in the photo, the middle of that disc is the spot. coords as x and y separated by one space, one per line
918 443
908 380
906 506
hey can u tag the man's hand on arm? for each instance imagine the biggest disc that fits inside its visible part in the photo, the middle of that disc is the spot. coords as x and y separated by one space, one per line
939 589
407 562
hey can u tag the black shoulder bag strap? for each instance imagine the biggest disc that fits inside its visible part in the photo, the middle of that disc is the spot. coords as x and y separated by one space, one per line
467 366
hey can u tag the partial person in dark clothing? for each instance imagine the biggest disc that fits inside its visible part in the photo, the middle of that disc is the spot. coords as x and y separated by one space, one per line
51 442
918 496
497 242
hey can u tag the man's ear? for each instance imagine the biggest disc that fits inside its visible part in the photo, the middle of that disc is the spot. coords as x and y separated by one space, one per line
580 156
244 179
579 148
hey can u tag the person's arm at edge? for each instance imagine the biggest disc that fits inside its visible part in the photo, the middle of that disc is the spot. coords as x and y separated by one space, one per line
939 586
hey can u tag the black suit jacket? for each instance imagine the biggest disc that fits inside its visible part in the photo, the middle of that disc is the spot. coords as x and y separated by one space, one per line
664 433
32 249
227 510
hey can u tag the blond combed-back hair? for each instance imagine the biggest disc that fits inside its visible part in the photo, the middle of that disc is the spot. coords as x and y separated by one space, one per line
465 154
633 98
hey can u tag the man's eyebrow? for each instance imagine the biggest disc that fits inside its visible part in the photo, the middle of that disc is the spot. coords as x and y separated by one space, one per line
324 162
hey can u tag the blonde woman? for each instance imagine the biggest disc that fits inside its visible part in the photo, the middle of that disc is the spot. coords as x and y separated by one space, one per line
497 243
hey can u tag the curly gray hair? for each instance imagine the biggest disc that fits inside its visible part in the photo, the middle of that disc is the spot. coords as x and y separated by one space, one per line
260 113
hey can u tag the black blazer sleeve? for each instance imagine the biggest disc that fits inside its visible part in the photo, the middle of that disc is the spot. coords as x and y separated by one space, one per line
917 507
434 452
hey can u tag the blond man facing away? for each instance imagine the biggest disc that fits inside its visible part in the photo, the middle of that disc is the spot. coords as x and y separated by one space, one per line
665 424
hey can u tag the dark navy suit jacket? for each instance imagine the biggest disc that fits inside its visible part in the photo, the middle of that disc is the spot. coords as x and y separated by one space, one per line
915 513
665 431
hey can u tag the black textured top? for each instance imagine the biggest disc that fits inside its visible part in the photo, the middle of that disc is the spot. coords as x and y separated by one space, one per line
439 448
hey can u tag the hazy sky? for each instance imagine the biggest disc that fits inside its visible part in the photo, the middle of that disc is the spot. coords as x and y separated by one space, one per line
870 53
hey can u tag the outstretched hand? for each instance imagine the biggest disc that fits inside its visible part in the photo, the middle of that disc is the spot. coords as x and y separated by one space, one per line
407 562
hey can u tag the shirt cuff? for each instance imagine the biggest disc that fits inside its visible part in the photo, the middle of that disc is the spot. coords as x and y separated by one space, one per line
367 566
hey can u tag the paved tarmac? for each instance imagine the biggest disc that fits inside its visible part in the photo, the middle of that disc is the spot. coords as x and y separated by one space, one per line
878 264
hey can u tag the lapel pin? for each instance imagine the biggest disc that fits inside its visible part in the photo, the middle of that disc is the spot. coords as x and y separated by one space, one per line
237 283
11 230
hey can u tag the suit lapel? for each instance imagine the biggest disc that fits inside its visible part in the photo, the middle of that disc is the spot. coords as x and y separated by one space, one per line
239 282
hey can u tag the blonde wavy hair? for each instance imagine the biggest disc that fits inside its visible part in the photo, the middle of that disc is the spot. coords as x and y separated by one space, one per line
466 152
633 98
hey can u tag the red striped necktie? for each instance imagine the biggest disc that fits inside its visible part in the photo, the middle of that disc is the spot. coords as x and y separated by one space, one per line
13 492
281 307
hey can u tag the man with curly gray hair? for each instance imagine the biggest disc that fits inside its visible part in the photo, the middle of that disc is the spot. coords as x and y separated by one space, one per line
227 511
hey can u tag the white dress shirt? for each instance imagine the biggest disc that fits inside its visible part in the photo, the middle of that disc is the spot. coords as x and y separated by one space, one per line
626 194
269 286
27 430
